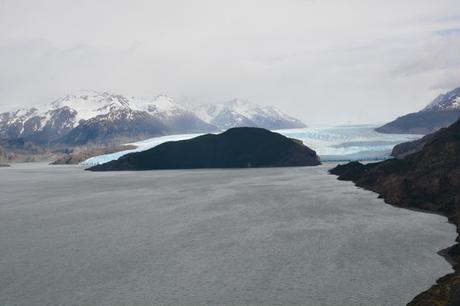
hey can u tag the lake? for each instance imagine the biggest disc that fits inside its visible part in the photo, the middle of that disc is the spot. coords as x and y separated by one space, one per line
279 236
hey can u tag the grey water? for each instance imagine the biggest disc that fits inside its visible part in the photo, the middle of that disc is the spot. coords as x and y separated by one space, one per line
285 236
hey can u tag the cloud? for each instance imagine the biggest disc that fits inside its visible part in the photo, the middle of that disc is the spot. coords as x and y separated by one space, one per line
324 61
444 32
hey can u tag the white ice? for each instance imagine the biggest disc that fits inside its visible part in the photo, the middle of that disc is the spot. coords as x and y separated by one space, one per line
330 143
140 146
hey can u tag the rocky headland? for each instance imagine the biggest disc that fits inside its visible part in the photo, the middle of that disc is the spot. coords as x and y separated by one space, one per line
426 179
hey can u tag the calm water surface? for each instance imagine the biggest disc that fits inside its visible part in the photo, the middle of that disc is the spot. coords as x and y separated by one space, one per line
289 236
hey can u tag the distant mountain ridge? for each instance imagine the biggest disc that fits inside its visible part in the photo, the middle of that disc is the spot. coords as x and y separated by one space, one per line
95 117
240 113
91 117
441 112
445 102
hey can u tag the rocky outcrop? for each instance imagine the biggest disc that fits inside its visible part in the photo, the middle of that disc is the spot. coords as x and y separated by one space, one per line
428 180
235 148
406 148
3 158
79 155
20 150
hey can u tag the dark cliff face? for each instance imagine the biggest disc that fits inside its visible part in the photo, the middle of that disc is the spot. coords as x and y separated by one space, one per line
406 148
235 148
428 180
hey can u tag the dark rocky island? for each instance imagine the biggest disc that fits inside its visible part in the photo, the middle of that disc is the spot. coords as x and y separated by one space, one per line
428 180
235 148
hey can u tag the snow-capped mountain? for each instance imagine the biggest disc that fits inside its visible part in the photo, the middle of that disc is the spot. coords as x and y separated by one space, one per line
445 102
238 112
441 112
93 117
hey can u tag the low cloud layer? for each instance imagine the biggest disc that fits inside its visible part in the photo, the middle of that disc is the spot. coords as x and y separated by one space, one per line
332 62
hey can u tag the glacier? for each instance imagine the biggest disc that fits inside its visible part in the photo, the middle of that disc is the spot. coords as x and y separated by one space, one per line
331 143
140 146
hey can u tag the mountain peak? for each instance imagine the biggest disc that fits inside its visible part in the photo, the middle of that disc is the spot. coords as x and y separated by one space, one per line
445 102
91 116
240 112
89 104
238 101
441 112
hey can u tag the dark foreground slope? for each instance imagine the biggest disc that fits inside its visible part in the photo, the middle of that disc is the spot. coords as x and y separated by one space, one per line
427 180
235 148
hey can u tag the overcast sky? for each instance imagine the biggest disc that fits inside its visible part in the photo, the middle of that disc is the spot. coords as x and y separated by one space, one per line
324 61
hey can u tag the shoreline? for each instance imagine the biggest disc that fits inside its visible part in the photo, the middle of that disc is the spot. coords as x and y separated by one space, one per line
443 286
450 254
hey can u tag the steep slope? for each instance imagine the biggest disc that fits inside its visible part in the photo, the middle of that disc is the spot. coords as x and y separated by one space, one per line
406 148
115 127
239 113
443 111
177 118
20 150
429 180
235 148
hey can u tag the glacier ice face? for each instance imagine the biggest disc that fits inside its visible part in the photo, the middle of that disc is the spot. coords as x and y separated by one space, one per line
140 146
348 143
343 143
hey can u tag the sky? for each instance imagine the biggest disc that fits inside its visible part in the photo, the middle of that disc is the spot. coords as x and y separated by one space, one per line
323 61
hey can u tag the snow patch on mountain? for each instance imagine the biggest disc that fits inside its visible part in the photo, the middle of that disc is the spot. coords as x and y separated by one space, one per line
445 102
239 112
102 117
89 107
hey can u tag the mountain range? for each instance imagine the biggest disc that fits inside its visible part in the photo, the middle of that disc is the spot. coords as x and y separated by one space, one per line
91 117
242 113
441 112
